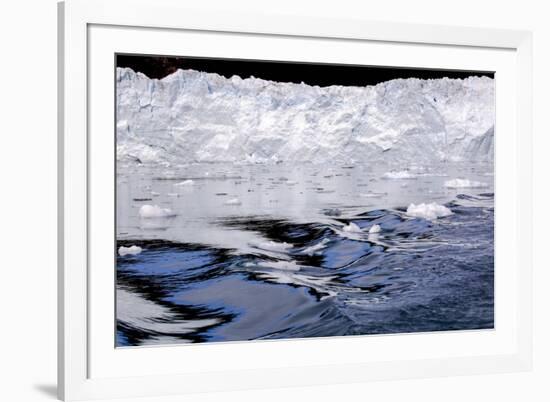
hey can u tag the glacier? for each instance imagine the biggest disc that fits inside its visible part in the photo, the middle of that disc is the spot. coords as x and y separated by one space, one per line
191 116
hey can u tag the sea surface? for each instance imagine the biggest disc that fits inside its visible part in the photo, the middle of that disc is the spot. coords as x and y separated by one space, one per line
250 252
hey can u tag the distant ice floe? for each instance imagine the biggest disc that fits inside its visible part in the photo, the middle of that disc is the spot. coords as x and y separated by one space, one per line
233 201
132 250
351 228
185 183
464 183
375 229
400 175
154 211
372 195
429 211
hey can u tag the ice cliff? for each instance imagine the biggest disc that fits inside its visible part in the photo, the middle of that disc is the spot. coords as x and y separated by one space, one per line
191 116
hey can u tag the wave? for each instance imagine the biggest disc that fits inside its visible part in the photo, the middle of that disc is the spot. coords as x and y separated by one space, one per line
313 279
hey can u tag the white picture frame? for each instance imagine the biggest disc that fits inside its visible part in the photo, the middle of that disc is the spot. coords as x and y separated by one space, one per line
90 368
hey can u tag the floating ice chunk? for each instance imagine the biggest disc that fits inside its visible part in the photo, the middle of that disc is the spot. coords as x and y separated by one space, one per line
185 183
282 265
311 250
233 201
430 211
375 229
132 250
372 195
352 228
272 246
402 174
155 194
464 183
291 182
154 211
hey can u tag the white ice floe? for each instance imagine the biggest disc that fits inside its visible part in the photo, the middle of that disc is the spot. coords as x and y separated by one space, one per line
430 211
372 195
185 183
154 211
351 228
402 174
375 229
155 194
464 183
316 248
233 201
132 250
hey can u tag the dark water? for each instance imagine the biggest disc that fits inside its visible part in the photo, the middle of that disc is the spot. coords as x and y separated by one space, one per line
313 279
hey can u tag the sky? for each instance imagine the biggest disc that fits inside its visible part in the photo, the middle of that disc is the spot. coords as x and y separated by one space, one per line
310 73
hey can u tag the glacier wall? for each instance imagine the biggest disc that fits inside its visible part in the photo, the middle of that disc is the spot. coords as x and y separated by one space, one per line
191 116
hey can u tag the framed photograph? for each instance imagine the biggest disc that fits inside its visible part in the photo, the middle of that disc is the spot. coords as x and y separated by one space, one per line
252 201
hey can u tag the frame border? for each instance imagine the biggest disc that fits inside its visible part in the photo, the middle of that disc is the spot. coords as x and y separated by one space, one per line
74 16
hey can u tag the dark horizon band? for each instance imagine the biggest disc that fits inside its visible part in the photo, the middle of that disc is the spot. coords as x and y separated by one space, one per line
321 74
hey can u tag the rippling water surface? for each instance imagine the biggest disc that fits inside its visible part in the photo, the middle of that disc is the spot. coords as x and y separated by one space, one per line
269 252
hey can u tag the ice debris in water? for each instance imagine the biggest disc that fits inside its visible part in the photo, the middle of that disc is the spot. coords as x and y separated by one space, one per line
233 201
402 174
430 211
282 265
132 250
154 211
372 195
272 246
375 229
351 227
464 183
311 250
185 183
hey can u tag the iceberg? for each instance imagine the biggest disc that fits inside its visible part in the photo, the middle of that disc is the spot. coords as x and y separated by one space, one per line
375 229
430 211
191 116
351 228
154 211
132 250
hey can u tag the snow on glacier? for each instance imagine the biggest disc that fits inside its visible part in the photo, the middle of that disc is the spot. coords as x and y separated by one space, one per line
192 116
